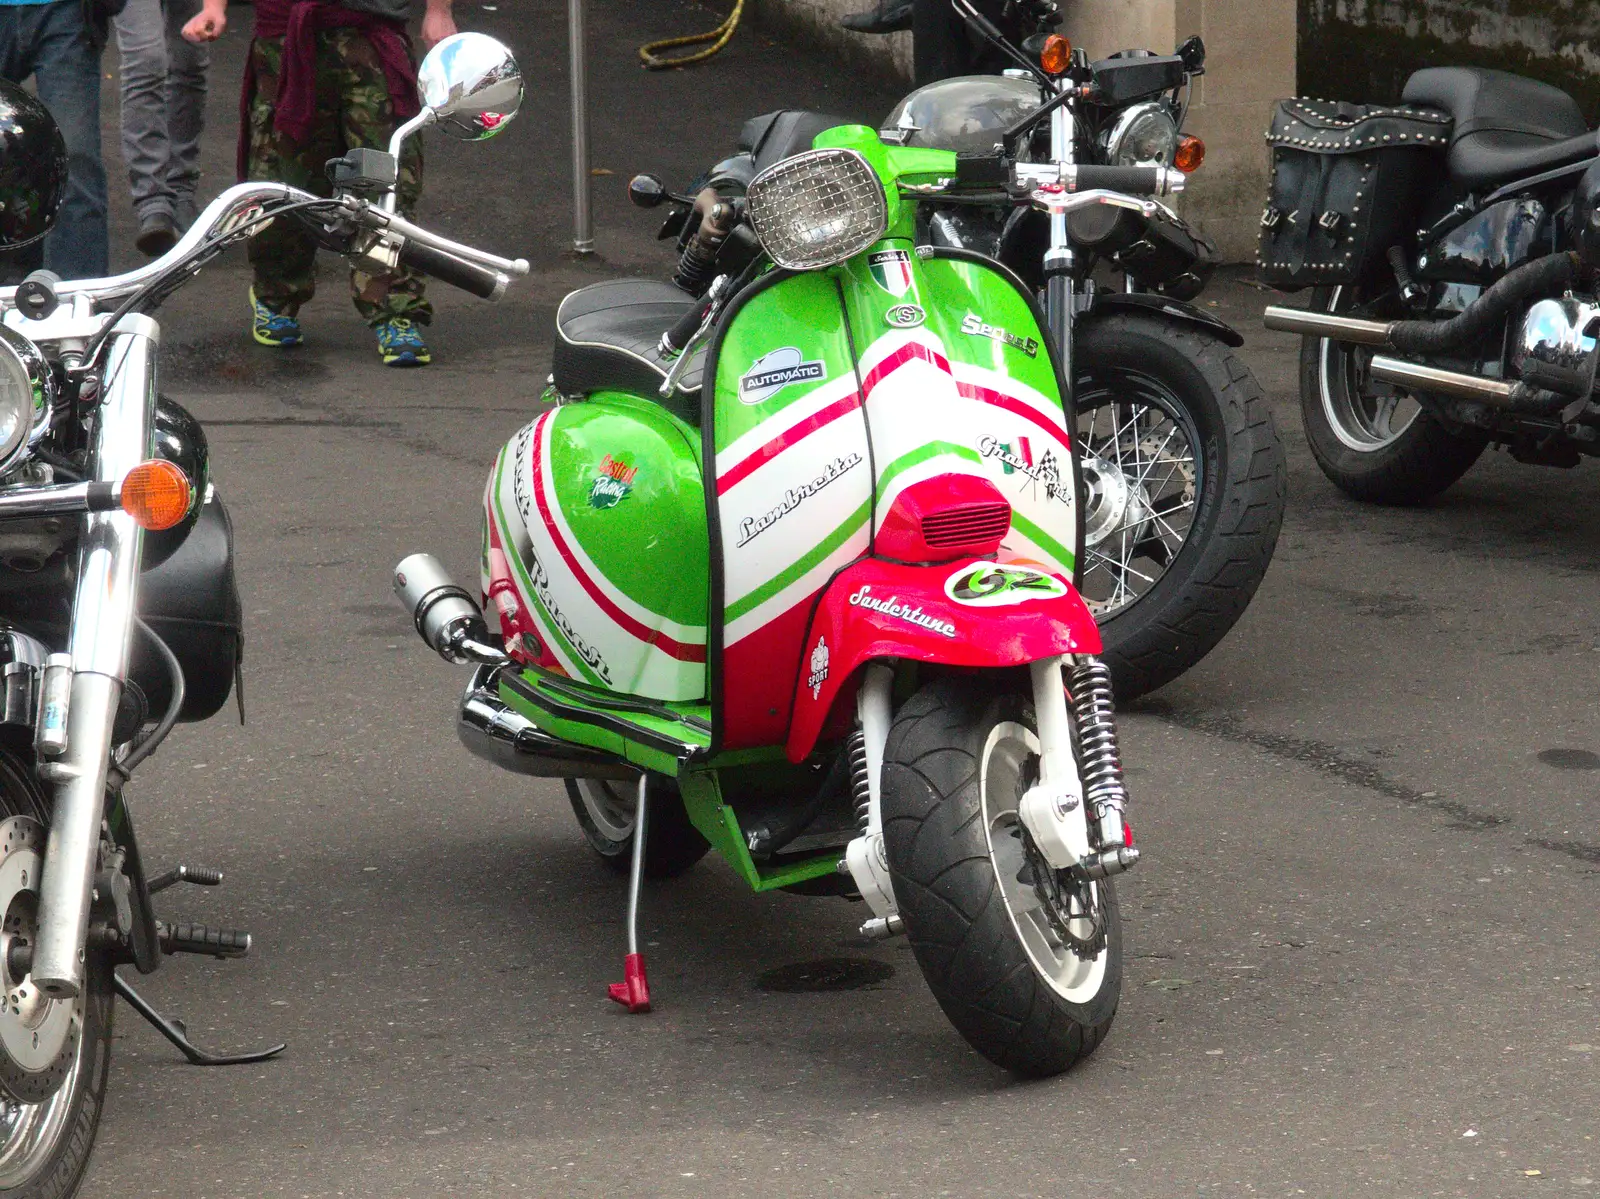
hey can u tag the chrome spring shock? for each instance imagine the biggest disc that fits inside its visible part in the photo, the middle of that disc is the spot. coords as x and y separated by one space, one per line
860 778
1092 712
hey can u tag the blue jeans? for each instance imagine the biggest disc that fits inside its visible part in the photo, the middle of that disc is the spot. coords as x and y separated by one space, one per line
51 42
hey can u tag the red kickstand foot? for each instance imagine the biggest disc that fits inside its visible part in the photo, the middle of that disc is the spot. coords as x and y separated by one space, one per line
633 992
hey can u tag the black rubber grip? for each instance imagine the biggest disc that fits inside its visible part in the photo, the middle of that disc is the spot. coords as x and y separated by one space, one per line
1138 181
197 938
447 268
688 324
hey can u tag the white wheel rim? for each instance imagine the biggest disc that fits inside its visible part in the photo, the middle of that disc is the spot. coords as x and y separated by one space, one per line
611 812
1360 424
1000 774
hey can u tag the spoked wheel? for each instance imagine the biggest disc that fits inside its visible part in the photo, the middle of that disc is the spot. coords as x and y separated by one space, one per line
54 1054
605 810
1141 478
1373 440
1184 487
1025 962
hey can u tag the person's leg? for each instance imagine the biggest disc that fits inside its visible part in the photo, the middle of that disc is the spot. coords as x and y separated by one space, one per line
142 47
282 255
67 67
16 64
367 119
187 65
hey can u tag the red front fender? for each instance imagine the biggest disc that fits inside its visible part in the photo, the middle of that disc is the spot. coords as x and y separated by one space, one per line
973 613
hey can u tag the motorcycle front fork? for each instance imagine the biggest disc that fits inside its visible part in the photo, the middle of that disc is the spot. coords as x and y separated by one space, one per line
103 612
1075 812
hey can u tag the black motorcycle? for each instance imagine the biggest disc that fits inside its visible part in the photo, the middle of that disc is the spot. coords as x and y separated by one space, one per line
1184 475
1450 245
119 615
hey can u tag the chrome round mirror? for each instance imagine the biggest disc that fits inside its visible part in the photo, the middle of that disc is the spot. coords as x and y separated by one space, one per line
471 85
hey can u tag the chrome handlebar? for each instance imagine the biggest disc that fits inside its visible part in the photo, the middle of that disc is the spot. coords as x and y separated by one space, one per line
238 206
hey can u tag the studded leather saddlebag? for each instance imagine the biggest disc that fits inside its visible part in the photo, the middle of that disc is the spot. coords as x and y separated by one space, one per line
1348 181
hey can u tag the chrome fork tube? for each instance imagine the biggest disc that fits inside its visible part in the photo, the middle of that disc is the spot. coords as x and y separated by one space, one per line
1059 261
102 621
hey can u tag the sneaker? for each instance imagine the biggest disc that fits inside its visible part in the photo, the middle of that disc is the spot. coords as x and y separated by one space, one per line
272 328
158 233
400 344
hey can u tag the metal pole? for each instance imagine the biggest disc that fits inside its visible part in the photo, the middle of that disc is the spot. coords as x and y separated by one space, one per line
582 223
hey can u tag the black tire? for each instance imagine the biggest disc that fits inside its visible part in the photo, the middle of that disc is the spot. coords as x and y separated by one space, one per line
56 1170
948 891
1238 511
672 843
1418 464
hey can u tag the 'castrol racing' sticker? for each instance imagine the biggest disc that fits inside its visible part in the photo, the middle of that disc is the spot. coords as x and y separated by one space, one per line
986 585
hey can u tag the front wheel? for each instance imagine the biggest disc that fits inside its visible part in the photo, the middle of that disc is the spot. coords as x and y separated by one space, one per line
55 1054
1184 489
1026 963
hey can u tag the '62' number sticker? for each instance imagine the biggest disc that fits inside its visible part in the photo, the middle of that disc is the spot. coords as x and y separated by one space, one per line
986 585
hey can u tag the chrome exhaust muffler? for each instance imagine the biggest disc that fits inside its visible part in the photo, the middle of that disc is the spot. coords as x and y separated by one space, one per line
497 733
446 617
1497 393
1326 324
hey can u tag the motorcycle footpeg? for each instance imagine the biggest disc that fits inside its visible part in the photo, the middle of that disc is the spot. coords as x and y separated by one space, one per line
198 938
200 876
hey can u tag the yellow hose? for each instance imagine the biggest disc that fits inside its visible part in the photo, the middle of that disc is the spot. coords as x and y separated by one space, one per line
650 53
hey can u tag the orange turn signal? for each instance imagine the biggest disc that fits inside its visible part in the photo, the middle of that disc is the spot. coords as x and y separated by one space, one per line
1056 56
1190 154
157 494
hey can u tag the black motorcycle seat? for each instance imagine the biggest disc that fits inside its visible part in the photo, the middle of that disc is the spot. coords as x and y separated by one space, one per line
1507 127
783 134
606 339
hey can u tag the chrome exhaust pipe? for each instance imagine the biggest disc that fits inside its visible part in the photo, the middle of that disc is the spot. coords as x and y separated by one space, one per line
492 730
1495 392
1326 324
446 617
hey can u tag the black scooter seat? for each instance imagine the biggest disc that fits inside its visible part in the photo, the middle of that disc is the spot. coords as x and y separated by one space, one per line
606 338
1506 127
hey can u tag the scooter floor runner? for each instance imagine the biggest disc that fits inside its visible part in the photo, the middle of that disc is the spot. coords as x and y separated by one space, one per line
656 734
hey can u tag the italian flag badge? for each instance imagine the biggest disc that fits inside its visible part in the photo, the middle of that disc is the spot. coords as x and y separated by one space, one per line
891 270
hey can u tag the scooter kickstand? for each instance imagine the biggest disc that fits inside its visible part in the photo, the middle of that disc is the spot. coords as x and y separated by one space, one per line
633 992
175 1034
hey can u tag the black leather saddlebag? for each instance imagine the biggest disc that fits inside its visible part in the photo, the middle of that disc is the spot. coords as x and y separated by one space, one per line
1348 181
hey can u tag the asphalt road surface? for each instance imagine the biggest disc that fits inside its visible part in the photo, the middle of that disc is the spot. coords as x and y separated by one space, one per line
1362 942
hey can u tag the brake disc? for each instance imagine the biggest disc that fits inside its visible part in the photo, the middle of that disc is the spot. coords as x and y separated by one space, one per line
38 1035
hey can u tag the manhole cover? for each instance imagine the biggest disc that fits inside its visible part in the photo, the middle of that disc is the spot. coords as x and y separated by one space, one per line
828 974
1570 759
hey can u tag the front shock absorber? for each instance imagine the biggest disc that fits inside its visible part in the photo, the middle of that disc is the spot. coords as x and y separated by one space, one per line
1104 790
697 266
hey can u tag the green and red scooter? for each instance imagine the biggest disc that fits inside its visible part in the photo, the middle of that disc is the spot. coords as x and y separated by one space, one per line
788 572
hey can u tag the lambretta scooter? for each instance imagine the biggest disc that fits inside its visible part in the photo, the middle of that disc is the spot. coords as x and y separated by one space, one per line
772 575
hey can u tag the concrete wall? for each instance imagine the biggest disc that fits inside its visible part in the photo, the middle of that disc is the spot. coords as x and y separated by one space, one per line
1250 46
1363 49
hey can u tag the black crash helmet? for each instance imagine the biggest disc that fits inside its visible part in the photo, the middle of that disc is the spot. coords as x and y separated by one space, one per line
33 167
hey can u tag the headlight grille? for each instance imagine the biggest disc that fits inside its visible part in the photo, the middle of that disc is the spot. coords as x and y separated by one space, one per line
817 208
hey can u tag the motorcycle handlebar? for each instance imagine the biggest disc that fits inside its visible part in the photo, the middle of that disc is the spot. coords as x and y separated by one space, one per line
480 281
1135 181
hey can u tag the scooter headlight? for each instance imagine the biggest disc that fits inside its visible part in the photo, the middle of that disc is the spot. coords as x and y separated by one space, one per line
817 208
1141 136
27 393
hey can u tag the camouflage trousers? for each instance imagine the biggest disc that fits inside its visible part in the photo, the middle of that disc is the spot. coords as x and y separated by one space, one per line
353 109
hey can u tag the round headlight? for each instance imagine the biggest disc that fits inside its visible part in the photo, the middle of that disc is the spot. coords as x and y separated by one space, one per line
27 393
1144 135
817 208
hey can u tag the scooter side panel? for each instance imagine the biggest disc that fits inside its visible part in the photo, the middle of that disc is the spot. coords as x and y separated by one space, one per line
596 547
793 489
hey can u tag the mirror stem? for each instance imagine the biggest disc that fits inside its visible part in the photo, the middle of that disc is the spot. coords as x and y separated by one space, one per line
397 143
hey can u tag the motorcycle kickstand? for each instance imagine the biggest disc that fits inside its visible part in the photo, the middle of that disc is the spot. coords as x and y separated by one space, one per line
633 992
176 1033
